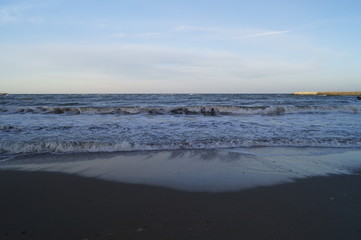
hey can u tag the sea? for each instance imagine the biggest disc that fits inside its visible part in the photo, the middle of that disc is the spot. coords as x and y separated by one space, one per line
127 122
273 129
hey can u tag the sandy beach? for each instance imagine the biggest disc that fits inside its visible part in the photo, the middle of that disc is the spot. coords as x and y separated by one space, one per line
41 205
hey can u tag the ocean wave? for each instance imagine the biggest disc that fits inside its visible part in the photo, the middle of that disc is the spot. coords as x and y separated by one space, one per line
189 110
78 147
10 128
14 128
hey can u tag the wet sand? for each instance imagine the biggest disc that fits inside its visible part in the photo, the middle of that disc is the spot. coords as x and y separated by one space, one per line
41 205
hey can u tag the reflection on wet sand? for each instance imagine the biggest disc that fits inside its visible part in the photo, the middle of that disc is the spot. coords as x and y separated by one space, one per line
198 170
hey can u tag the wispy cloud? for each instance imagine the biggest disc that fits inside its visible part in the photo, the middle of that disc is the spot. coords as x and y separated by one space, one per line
143 36
10 14
263 34
16 13
217 34
184 28
195 33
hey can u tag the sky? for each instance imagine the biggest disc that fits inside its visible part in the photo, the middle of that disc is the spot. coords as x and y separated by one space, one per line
188 46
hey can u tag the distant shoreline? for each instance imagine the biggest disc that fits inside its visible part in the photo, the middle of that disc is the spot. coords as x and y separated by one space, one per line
355 93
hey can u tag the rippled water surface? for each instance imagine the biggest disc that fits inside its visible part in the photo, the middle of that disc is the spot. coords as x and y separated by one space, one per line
109 123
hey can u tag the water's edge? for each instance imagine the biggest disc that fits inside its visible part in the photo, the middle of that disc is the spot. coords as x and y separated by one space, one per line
198 170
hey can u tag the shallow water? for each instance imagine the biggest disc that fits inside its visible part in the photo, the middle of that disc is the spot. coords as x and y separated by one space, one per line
199 170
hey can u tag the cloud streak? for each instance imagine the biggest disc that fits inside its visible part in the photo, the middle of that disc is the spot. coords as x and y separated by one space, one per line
141 36
194 33
263 34
218 34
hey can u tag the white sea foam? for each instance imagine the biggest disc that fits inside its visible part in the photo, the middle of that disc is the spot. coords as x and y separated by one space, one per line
124 146
201 110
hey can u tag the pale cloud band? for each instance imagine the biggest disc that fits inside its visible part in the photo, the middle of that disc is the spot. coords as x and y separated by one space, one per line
138 68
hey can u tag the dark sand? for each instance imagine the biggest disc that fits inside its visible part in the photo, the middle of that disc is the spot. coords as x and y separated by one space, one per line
38 205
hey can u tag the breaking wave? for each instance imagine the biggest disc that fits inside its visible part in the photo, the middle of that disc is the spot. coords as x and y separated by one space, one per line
78 147
188 110
10 128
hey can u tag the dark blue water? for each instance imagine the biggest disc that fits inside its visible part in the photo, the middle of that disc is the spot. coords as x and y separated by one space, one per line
107 123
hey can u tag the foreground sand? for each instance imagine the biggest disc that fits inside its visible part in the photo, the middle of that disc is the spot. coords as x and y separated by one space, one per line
40 205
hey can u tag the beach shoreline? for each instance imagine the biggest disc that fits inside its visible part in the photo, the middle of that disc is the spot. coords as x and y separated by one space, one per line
238 193
201 170
43 205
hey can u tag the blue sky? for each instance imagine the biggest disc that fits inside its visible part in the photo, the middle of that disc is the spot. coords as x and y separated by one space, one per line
224 46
